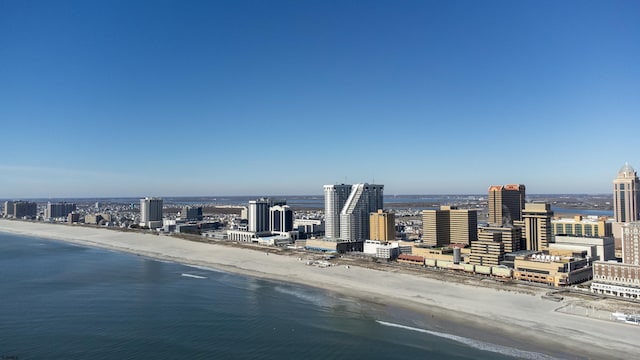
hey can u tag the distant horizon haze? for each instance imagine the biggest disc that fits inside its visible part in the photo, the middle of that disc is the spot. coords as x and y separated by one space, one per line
282 196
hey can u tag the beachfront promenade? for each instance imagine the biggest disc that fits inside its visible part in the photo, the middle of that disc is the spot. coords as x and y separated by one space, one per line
497 316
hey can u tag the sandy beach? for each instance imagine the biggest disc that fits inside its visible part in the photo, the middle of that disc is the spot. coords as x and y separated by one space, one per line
511 318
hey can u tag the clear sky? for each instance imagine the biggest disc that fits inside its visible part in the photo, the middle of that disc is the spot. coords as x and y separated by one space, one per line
135 98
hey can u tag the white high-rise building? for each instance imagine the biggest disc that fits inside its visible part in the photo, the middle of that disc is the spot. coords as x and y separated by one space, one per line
151 212
258 214
354 217
335 196
347 209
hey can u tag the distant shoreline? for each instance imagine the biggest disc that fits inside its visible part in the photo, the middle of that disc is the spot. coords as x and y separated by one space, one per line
500 317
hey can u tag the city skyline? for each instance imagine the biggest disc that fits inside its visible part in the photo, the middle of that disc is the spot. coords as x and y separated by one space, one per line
111 99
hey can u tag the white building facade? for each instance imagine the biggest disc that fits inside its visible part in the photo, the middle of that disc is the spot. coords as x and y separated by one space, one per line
151 212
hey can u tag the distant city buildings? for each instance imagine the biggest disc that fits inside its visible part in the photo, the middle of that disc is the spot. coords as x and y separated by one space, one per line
59 210
270 222
24 209
191 213
98 219
73 218
20 209
151 212
505 232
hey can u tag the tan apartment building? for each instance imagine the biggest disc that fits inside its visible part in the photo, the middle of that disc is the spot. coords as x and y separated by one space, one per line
511 237
488 250
537 226
435 227
449 225
382 225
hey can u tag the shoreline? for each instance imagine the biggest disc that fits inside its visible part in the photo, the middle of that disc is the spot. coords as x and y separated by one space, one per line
507 318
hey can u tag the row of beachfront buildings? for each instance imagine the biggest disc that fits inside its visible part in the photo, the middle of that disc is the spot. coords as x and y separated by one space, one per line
521 240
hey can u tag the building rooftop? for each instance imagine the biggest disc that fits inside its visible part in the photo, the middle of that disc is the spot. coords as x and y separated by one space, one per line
626 170
591 219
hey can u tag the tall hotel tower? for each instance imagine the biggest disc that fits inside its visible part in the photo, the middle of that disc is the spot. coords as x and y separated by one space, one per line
280 219
334 198
505 204
537 220
347 210
151 212
259 214
625 195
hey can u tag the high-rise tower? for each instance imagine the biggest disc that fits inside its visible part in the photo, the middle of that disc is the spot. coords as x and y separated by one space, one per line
625 195
354 217
151 212
382 225
506 204
347 209
537 220
334 198
280 219
449 225
259 214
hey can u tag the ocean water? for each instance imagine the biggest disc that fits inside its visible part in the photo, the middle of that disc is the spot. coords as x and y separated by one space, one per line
60 301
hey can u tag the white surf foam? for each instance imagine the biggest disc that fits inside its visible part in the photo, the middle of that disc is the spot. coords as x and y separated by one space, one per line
194 276
477 344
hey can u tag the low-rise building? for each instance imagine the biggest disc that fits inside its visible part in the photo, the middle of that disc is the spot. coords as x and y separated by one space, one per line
621 279
240 235
73 217
588 226
487 252
553 270
410 259
598 248
334 245
616 279
309 227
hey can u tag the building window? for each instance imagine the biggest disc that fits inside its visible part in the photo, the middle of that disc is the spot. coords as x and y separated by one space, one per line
588 230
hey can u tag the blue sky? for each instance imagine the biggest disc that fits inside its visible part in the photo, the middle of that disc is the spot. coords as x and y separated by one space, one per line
135 98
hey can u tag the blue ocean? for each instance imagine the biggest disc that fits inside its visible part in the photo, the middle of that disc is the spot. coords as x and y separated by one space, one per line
61 301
